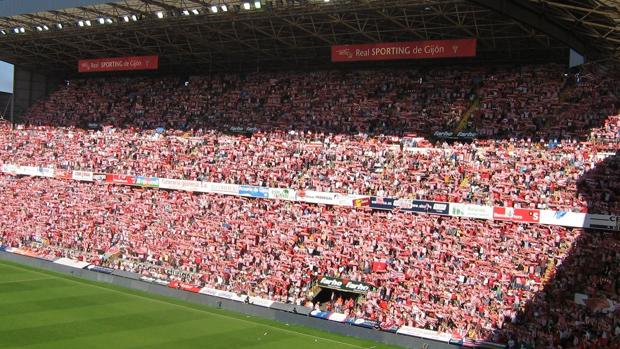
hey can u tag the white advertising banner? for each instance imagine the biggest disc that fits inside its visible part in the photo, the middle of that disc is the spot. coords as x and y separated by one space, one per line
282 194
72 263
35 171
153 280
422 333
338 317
182 184
563 218
261 302
471 211
223 294
8 168
223 188
318 197
85 176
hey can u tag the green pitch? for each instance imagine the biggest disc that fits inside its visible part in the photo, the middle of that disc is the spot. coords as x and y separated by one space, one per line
40 309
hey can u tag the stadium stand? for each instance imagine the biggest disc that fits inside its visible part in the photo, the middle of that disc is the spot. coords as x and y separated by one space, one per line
368 133
441 273
472 200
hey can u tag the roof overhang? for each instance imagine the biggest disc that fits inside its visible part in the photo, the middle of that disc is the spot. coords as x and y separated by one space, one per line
287 33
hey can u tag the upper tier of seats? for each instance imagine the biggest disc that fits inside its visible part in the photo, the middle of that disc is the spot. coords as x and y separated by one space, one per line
354 132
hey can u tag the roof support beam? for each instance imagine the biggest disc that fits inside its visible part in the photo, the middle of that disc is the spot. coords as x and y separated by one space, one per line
255 28
200 2
163 5
520 12
96 12
577 8
340 19
306 30
401 25
129 10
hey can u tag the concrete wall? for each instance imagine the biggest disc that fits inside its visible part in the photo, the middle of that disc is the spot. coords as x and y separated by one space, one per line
30 87
267 313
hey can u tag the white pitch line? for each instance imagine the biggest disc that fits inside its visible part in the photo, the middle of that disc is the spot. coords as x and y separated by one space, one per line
190 308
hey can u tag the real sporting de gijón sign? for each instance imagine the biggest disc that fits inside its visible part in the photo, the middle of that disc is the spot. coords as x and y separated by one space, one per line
404 50
118 63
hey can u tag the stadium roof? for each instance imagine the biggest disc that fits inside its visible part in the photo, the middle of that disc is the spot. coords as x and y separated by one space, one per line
229 35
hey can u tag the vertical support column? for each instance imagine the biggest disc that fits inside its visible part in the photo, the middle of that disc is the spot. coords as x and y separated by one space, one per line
12 110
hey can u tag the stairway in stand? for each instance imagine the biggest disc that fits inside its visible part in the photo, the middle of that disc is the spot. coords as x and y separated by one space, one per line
473 107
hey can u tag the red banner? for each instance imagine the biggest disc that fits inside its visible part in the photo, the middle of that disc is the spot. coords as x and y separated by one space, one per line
379 267
522 215
183 286
120 179
118 63
404 50
63 174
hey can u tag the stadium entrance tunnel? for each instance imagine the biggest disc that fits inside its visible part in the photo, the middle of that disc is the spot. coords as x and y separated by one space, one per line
333 300
336 295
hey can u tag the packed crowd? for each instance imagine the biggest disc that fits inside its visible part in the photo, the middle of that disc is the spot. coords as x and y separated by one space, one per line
453 275
357 133
562 314
550 141
321 102
532 100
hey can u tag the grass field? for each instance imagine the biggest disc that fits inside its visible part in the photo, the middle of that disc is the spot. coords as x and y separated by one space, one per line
40 309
